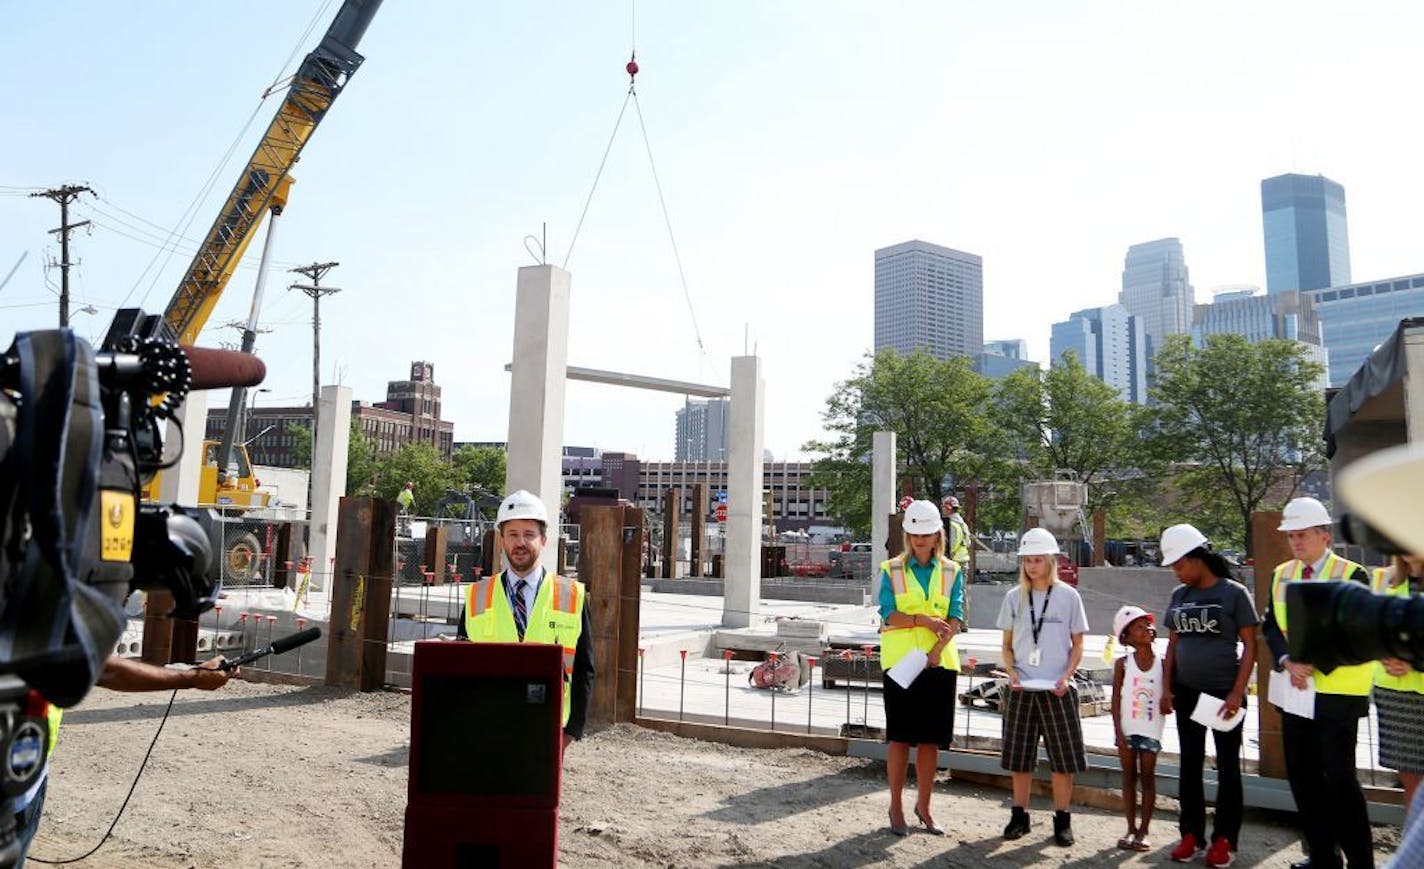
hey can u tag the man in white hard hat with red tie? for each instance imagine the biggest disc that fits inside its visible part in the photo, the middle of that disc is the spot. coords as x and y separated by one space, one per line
1320 751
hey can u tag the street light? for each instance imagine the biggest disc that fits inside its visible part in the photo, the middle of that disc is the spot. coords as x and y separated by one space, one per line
251 404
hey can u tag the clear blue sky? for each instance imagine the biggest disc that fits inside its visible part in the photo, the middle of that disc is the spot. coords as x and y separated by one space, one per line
792 139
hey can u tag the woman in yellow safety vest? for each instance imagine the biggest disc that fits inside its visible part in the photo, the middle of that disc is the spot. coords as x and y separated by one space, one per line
1399 688
921 610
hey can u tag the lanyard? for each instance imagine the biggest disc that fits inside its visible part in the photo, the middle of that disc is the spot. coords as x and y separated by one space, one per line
1037 624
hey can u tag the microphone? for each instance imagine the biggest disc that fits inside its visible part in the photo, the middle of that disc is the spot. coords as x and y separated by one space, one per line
285 644
220 369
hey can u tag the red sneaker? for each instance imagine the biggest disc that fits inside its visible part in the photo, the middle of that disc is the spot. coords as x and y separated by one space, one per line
1187 850
1220 853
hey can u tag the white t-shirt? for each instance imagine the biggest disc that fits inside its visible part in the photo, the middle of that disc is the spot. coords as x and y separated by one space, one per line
1140 708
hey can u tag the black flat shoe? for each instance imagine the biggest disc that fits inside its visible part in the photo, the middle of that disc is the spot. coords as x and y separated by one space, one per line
930 826
901 830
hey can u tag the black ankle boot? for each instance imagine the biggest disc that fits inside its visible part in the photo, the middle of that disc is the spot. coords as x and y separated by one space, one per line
1018 824
1063 828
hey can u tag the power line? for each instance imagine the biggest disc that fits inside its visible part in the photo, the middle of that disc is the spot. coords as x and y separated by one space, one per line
315 290
65 195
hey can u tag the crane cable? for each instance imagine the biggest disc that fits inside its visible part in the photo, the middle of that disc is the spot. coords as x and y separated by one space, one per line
632 70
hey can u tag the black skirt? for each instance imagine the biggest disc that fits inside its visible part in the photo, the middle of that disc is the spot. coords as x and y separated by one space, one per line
924 712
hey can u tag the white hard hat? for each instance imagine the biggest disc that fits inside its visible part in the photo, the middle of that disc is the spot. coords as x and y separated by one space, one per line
1038 541
522 505
922 517
1384 489
1127 615
1179 540
1303 513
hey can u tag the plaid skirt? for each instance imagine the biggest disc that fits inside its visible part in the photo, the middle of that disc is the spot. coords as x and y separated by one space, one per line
1401 729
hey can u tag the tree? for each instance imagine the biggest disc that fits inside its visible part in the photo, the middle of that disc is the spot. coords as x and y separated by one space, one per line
938 410
301 436
421 464
1067 419
1246 416
481 466
361 462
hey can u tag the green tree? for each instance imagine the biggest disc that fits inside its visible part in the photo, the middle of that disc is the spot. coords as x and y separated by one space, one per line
1245 419
483 467
301 435
1067 419
361 463
938 410
421 464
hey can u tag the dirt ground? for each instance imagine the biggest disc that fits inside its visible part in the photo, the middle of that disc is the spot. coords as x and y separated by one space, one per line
266 776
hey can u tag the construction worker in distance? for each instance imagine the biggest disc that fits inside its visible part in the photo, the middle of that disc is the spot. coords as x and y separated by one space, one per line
1320 752
527 604
406 498
956 531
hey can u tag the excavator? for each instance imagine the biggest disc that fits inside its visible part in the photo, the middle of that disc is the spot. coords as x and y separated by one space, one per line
261 188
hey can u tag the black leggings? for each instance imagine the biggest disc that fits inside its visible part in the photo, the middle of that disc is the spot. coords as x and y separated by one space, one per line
1192 792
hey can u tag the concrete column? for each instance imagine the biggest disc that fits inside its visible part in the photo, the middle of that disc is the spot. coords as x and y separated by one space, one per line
333 438
882 502
1414 385
536 391
741 602
179 484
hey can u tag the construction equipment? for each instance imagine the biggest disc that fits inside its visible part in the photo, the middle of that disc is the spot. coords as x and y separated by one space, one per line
261 187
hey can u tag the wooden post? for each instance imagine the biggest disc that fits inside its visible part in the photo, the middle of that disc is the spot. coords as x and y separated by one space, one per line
672 529
1100 537
601 569
1268 548
971 519
629 601
699 529
158 629
283 554
361 594
185 641
896 541
435 544
489 554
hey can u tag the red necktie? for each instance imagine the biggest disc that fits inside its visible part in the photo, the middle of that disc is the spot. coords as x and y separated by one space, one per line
1308 572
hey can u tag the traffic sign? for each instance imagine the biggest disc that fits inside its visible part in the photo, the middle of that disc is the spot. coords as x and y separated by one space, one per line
721 513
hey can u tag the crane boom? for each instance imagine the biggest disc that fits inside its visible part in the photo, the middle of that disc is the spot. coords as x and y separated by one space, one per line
316 84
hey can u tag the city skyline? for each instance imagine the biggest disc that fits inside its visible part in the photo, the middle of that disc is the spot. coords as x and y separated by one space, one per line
783 165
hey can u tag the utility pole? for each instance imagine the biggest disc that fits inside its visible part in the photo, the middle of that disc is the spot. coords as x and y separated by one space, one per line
64 195
315 290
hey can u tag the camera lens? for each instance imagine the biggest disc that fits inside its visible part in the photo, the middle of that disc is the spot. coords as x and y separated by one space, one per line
1341 623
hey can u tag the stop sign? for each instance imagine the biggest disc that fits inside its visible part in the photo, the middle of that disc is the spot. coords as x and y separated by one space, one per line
721 513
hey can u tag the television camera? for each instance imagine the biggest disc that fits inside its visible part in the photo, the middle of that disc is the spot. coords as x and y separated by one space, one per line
80 432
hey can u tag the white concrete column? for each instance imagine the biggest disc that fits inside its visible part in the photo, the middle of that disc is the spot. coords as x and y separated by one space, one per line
741 602
536 392
328 482
1414 385
179 484
882 503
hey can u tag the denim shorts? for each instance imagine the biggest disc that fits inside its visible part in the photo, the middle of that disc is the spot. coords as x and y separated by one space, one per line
1138 742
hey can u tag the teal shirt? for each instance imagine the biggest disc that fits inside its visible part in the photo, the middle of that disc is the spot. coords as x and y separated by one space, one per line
921 573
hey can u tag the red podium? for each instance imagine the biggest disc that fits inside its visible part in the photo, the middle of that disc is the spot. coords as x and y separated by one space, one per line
485 745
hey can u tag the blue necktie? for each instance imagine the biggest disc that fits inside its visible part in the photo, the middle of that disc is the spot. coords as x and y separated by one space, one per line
521 609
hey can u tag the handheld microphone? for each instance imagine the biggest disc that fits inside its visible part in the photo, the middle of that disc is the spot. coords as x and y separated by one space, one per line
220 369
285 644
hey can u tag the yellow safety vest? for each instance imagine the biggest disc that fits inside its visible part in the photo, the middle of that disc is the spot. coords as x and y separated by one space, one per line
958 542
896 643
53 716
1413 681
555 619
1353 680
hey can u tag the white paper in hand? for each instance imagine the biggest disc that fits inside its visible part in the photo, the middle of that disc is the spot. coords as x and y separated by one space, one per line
1208 714
1288 698
1038 684
908 668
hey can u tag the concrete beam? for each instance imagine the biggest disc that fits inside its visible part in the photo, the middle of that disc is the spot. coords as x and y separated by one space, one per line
882 502
639 381
328 481
741 603
179 484
536 390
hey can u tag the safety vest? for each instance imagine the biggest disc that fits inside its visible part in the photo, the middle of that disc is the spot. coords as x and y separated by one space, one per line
555 619
1413 681
1353 680
53 716
958 540
896 643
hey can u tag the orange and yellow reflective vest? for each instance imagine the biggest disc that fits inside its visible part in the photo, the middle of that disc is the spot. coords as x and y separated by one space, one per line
910 599
1353 680
556 618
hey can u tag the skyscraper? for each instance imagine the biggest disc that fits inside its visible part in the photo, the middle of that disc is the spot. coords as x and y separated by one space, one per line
1288 316
1354 319
1307 240
702 431
1157 291
1110 345
928 297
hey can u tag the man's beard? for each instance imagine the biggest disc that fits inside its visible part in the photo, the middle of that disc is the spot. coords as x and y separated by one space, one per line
530 559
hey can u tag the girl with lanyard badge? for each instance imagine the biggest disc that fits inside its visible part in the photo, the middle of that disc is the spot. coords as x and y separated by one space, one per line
1043 624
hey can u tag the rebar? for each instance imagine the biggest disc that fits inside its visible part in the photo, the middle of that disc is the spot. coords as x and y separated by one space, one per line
775 659
682 685
810 683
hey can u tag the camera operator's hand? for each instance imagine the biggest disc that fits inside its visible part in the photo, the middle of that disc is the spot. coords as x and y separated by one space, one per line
207 677
1298 672
1396 667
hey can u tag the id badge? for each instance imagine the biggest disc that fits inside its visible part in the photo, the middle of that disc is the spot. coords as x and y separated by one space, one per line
1036 658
